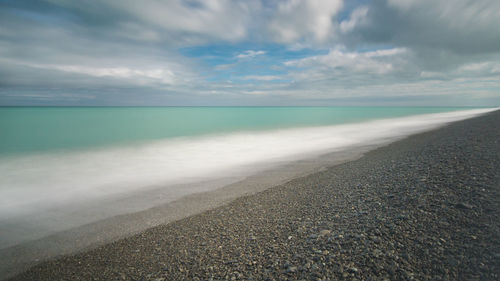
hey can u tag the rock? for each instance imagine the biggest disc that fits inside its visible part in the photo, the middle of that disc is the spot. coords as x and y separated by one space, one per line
291 269
324 232
452 262
353 269
314 267
464 206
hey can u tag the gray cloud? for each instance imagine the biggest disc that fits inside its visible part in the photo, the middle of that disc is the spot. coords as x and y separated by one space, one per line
452 48
127 52
294 21
460 26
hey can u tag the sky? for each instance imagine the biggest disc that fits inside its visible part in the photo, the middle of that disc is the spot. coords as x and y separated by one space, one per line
250 52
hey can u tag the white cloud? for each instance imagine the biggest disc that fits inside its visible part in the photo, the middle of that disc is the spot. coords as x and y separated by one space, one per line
221 19
296 20
132 75
402 4
432 75
192 22
162 75
262 77
250 54
254 92
479 68
385 52
358 17
475 67
378 62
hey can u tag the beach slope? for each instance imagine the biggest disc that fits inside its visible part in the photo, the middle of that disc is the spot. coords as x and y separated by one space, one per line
424 208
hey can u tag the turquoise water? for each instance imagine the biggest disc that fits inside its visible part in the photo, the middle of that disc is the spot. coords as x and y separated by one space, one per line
37 129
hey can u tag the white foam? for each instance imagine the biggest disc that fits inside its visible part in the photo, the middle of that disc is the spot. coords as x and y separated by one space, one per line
38 193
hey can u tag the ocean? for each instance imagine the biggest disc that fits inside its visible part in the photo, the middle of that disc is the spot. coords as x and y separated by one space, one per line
28 130
63 167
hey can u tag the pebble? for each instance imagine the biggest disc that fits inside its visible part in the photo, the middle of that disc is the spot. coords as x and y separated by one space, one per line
324 232
463 205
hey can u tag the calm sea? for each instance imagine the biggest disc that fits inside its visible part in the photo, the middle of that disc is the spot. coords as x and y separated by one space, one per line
40 129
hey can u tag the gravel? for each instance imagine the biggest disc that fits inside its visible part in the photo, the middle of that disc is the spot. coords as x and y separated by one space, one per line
424 208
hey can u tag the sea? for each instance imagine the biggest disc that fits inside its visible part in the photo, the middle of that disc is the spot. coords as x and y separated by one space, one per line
63 167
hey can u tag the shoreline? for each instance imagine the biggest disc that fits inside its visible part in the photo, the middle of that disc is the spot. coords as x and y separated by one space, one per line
18 258
322 169
38 206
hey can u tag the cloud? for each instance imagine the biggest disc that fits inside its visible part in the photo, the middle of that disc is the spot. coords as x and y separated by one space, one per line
173 21
162 75
250 54
337 60
357 18
287 51
262 77
298 20
461 26
223 19
481 68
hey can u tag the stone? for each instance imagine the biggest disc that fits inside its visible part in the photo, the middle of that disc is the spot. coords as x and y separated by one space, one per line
463 205
324 232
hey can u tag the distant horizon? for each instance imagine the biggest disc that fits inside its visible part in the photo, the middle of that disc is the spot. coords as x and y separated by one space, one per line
410 106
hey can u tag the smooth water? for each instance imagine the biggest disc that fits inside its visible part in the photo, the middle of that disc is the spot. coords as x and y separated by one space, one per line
61 168
25 130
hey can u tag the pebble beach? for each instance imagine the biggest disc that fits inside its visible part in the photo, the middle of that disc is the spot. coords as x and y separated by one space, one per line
423 208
